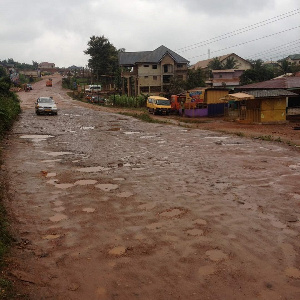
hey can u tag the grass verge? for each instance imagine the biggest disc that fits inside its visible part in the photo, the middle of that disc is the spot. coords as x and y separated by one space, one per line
9 111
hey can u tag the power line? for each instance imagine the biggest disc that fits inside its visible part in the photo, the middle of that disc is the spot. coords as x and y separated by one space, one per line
286 45
244 43
282 54
239 31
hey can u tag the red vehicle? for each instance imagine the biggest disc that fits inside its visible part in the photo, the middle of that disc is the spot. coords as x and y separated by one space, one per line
49 82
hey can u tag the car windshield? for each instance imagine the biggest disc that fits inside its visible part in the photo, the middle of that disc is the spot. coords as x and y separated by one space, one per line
163 102
45 100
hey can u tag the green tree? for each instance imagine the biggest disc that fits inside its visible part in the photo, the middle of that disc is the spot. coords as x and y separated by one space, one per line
177 85
230 63
103 56
2 72
258 73
195 78
215 64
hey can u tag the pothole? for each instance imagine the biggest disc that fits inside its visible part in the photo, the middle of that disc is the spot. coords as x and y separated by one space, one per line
85 182
36 137
107 187
216 255
58 217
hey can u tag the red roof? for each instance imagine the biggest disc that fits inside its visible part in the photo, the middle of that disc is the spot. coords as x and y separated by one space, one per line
277 83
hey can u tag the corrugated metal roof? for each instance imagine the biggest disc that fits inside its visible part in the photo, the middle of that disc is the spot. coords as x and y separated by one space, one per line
270 93
277 83
155 56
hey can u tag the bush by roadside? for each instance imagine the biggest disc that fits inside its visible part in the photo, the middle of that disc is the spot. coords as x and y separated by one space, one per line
9 106
9 110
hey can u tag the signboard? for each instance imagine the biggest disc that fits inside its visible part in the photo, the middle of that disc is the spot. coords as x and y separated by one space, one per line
195 96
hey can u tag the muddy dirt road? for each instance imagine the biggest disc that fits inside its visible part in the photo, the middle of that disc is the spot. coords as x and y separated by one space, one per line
108 207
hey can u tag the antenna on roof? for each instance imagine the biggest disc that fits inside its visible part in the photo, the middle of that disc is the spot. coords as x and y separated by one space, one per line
208 54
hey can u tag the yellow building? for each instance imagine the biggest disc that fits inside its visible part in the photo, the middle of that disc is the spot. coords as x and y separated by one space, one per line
258 106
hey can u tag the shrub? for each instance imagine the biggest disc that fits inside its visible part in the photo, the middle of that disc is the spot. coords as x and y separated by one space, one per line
125 101
9 106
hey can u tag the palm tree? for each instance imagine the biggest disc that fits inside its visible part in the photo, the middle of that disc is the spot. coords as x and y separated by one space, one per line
231 63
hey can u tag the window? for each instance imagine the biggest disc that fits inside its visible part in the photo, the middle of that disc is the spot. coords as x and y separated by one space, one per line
179 66
166 68
154 77
146 66
146 76
154 67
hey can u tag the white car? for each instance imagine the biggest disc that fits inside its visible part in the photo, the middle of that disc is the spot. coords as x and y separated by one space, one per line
93 88
45 105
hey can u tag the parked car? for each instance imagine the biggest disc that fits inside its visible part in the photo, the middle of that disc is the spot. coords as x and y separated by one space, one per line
29 86
45 105
93 88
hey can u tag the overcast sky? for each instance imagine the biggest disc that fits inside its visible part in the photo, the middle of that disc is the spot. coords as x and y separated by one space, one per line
58 31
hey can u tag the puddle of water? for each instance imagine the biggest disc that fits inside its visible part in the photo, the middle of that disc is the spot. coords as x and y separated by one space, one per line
37 137
59 209
51 160
88 209
51 237
148 137
85 182
119 179
120 250
172 213
200 222
293 273
107 187
58 217
131 132
195 232
59 153
124 195
93 169
64 186
216 255
50 175
147 206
